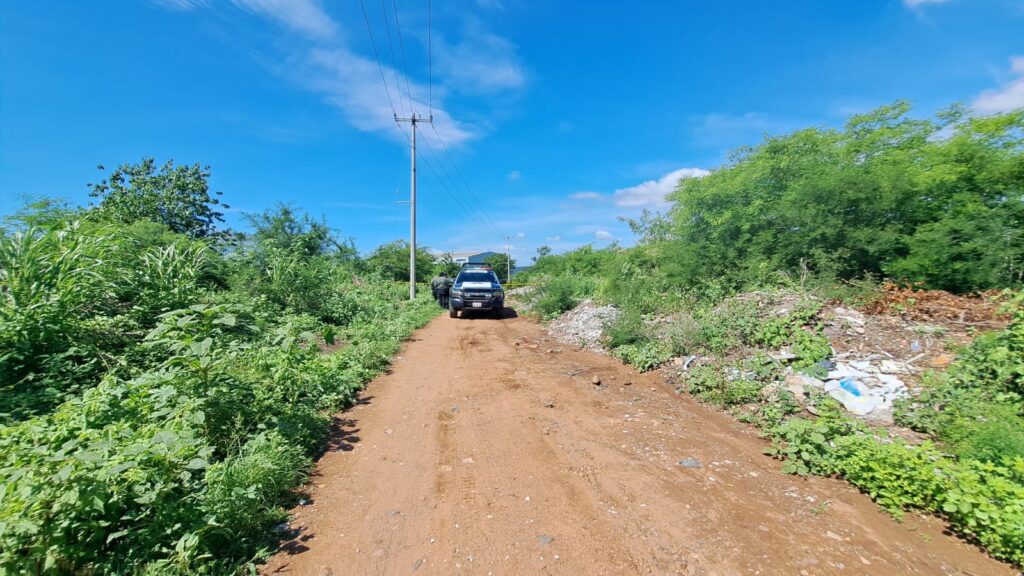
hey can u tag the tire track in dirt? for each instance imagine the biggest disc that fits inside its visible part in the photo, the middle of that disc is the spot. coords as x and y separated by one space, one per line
487 450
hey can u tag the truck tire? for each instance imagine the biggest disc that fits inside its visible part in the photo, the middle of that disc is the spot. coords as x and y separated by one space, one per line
453 313
498 313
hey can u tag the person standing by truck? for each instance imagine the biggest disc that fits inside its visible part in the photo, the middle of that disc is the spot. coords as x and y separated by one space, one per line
439 288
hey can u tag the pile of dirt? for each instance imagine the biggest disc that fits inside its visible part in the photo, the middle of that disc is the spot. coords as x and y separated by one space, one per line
912 303
584 325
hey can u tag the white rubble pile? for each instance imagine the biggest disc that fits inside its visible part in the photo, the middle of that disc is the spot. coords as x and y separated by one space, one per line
583 325
866 387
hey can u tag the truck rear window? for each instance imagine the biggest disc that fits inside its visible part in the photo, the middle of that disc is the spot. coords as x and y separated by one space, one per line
476 277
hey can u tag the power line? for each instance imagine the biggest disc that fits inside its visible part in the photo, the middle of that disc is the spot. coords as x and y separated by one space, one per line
430 58
479 213
394 64
401 44
452 190
475 213
469 189
377 56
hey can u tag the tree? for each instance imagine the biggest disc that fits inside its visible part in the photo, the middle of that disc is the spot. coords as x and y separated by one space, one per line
285 228
447 264
938 201
542 252
500 264
391 260
175 196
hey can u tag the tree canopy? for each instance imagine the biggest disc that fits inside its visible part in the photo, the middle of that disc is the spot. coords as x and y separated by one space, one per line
176 196
935 200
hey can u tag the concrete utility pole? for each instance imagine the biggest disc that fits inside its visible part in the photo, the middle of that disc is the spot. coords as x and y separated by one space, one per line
414 119
508 261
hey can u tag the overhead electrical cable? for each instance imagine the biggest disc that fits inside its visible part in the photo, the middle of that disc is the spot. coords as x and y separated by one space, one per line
380 67
468 188
401 45
394 63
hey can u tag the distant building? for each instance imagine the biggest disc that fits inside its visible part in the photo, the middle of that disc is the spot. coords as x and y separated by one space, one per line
470 257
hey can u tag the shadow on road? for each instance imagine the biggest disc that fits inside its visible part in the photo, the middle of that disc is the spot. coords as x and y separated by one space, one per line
470 314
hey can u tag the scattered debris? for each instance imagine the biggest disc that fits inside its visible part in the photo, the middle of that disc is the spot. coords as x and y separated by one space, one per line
596 380
911 303
584 325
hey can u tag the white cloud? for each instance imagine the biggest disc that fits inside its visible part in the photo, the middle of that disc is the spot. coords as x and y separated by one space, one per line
730 130
304 16
352 83
480 62
919 3
586 196
652 193
553 238
180 5
320 60
514 175
604 235
520 235
1009 96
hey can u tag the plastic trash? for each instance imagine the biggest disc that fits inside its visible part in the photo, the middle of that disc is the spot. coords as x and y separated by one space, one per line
859 405
850 386
915 346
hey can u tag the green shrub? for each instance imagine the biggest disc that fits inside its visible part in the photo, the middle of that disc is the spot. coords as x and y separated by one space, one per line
628 328
643 356
244 493
981 499
723 386
560 294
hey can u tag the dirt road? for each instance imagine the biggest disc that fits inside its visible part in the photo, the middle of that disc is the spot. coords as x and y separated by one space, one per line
490 450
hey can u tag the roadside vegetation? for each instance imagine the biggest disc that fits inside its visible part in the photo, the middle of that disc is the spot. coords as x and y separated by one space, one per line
817 217
164 384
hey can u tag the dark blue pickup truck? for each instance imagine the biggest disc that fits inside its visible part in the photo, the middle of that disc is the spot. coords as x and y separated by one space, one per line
476 289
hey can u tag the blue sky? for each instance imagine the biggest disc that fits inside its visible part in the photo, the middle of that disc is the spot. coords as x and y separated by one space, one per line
558 117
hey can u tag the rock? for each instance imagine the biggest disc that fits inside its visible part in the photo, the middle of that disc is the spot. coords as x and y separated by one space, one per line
796 384
850 316
596 380
844 370
864 366
783 356
891 383
893 367
583 325
677 361
690 463
941 361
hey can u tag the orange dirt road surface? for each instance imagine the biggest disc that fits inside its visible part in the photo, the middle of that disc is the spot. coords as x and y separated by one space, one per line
489 449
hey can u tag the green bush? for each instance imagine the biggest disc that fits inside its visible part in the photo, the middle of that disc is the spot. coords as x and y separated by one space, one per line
158 422
560 294
628 328
643 356
981 499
